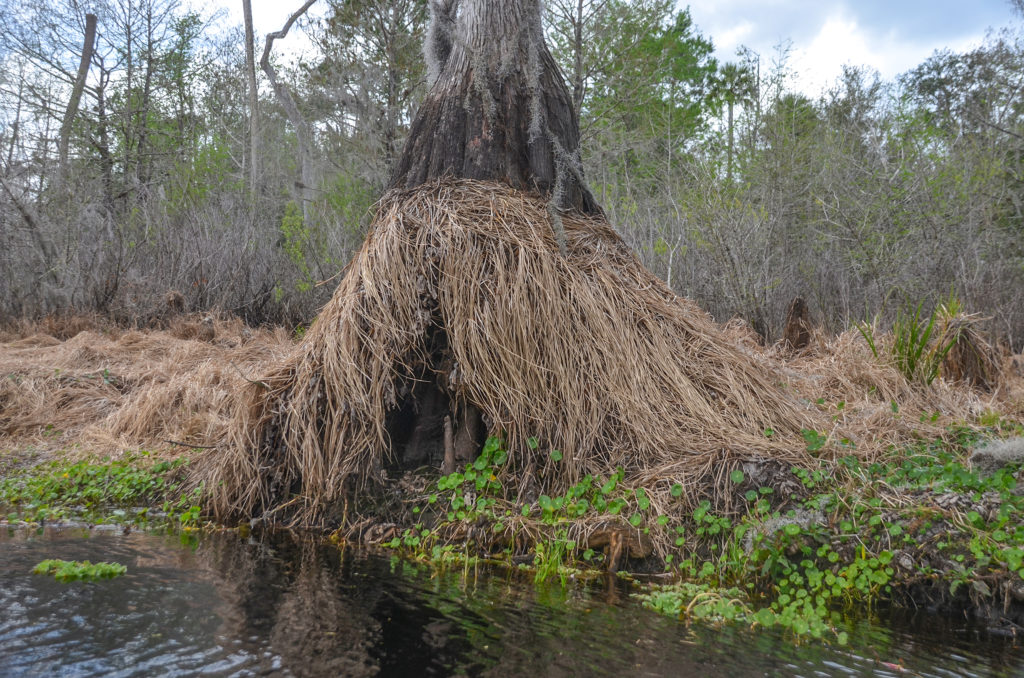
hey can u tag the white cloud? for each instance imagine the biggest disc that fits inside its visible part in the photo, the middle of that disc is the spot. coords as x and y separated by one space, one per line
841 40
823 35
732 38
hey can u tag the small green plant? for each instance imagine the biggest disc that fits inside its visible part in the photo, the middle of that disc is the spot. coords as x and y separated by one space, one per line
120 491
815 440
914 353
79 570
795 560
473 496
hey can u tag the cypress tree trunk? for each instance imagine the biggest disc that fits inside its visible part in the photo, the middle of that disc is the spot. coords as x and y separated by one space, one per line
498 108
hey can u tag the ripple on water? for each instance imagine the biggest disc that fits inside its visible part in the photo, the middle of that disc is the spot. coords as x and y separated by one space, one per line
285 605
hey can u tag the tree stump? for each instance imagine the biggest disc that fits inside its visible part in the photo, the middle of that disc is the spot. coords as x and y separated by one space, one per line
797 333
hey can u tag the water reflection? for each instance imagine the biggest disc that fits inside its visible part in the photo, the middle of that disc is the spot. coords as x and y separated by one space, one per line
286 605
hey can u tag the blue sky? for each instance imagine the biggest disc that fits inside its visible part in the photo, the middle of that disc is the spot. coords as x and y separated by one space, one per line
890 36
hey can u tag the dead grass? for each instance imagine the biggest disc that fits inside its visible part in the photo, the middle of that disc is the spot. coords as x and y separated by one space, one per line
971 358
869 403
588 353
110 391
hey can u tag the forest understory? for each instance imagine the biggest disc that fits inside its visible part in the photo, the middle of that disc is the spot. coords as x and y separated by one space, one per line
184 170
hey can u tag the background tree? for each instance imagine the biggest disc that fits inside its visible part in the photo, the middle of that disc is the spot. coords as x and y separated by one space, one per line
303 133
365 80
254 96
76 94
736 188
736 87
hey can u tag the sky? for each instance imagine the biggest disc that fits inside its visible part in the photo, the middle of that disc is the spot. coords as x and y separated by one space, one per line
891 36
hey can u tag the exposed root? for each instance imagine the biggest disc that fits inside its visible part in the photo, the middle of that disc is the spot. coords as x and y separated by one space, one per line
589 354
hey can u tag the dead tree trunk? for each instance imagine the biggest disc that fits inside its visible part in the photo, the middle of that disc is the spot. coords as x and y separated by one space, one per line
498 108
76 96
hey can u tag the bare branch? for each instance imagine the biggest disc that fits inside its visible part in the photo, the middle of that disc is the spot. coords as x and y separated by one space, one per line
284 95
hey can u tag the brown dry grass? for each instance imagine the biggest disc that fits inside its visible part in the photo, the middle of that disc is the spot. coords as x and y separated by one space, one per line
589 353
972 358
869 403
104 392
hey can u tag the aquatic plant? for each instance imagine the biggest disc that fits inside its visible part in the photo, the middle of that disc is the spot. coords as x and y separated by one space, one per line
860 532
79 570
127 490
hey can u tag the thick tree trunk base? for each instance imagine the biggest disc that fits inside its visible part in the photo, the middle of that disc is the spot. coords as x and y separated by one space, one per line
432 426
498 111
461 306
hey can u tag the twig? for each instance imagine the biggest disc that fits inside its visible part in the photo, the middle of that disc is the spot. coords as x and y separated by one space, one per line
196 447
237 369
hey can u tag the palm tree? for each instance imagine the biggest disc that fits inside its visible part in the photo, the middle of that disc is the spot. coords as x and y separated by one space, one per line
737 85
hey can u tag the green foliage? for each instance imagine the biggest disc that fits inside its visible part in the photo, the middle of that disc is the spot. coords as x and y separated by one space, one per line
815 439
296 238
690 600
914 354
119 491
552 557
370 51
872 185
198 178
793 571
840 548
918 349
644 74
868 332
473 496
79 570
348 200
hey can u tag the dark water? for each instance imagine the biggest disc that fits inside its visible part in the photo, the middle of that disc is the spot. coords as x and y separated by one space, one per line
227 606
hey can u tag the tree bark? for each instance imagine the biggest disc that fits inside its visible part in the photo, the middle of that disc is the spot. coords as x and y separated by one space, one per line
728 165
498 109
577 76
101 141
76 96
46 248
16 123
143 158
250 74
291 109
